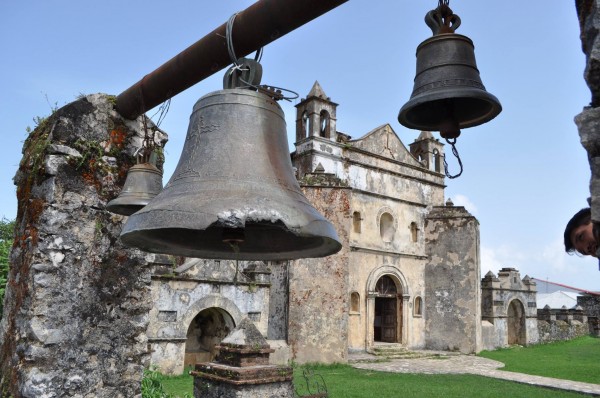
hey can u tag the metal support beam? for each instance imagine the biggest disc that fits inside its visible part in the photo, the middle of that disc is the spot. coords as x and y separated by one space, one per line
255 27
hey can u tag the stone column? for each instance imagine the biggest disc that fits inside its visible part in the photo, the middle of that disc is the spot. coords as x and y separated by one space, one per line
319 293
452 280
77 300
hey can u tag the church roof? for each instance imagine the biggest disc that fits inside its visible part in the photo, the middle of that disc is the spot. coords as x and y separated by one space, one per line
317 91
425 135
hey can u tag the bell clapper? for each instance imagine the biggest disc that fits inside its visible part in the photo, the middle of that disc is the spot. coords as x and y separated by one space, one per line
234 237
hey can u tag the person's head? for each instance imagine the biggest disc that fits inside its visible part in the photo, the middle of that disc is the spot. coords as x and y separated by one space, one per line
579 234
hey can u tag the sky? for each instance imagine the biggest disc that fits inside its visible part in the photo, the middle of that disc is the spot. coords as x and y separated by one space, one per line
525 172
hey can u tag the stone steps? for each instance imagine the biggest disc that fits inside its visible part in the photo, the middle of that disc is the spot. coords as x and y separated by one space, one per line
382 353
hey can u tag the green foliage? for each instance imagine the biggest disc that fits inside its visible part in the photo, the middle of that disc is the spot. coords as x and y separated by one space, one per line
6 239
155 385
572 360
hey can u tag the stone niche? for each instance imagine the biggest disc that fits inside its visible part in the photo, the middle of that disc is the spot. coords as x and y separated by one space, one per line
77 300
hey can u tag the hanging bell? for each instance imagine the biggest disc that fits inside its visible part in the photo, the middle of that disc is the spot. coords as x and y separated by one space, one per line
143 182
233 194
448 93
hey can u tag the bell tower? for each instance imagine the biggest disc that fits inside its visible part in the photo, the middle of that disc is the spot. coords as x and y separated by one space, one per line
428 151
315 115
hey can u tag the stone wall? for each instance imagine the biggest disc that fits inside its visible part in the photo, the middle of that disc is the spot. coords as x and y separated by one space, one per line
452 285
77 300
561 330
561 324
590 305
318 296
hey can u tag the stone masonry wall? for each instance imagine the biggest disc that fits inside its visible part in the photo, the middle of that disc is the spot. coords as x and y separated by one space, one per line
318 296
561 330
452 281
77 300
588 121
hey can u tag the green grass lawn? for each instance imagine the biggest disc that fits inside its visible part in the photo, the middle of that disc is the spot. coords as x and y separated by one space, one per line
573 360
343 381
577 359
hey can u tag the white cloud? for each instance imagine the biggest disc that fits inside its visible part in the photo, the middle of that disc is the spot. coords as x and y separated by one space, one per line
554 256
462 200
504 256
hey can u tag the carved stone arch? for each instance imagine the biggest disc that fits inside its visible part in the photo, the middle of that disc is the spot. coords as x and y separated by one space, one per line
210 301
207 322
392 272
377 307
516 333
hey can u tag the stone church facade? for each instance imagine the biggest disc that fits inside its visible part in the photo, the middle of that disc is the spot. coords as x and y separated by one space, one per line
408 272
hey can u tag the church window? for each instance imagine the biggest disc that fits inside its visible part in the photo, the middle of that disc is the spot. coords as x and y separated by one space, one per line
436 161
305 124
386 227
354 302
385 286
324 124
356 221
414 231
418 306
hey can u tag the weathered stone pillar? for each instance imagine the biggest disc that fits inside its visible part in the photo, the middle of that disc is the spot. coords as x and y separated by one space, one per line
452 280
588 121
318 293
77 300
242 370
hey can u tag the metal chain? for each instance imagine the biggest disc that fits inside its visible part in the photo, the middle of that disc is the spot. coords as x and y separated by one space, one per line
455 153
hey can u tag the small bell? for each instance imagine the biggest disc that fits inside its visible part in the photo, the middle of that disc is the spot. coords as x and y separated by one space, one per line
143 182
448 93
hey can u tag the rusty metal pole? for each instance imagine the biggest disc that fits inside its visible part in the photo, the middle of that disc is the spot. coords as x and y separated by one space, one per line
258 25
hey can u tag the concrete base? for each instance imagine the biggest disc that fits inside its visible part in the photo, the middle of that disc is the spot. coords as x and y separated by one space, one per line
282 354
214 389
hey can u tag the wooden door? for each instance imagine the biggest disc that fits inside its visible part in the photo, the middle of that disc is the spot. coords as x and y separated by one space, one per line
388 320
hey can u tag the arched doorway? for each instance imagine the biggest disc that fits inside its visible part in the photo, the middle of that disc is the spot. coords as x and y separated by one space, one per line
206 330
516 323
387 323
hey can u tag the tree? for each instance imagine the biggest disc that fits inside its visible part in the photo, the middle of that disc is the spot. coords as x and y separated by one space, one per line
7 229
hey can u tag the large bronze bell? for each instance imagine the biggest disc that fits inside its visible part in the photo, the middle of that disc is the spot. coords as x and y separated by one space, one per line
143 182
233 194
448 93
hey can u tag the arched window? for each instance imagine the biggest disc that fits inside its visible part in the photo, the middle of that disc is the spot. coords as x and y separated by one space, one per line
386 227
418 306
305 124
356 221
414 231
436 161
324 124
385 286
354 302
